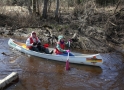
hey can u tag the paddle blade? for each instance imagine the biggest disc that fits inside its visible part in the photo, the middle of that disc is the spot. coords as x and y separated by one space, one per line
67 67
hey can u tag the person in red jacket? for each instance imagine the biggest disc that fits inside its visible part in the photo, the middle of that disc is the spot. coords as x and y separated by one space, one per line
60 47
33 43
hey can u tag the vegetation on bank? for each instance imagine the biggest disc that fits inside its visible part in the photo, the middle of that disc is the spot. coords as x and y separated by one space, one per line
92 24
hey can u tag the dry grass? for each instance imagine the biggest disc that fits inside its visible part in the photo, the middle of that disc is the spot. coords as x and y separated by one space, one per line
14 10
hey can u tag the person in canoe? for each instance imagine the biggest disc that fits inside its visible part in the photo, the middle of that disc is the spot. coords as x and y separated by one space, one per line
60 47
33 43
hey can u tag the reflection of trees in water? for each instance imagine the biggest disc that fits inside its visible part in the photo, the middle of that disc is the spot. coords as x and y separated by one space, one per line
88 68
40 72
33 63
50 73
59 68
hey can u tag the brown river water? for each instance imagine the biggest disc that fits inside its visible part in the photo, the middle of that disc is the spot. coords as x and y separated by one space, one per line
41 74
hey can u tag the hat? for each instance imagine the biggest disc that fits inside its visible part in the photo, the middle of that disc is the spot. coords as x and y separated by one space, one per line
60 37
33 32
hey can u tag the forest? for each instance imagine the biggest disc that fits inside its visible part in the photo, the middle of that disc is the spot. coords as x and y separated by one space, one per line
93 25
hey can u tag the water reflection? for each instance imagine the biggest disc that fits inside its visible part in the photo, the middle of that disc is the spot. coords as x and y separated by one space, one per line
49 73
90 69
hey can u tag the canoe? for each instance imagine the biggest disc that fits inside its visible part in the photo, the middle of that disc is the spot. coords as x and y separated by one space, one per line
78 58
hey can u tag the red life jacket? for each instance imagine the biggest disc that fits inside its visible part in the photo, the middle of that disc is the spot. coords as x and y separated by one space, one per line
62 46
31 41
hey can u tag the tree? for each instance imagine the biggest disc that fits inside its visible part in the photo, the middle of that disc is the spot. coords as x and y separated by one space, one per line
29 4
44 15
78 2
57 9
106 2
49 6
37 5
34 7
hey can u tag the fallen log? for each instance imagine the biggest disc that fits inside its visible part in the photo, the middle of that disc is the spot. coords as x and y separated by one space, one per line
10 79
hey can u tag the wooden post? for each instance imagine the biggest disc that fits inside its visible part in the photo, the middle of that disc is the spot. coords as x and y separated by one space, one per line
9 80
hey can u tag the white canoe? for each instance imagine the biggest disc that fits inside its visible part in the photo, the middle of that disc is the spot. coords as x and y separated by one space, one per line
78 58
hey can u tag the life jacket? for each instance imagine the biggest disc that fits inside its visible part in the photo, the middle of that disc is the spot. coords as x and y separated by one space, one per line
31 41
62 46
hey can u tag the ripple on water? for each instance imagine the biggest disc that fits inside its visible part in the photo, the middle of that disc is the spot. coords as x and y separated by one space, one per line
113 61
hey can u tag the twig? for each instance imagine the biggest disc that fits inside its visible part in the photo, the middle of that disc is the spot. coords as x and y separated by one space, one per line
117 6
113 14
112 23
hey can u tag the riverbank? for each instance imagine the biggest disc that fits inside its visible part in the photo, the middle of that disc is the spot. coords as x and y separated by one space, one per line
93 28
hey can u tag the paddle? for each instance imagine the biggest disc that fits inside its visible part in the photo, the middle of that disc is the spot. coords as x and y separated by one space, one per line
67 67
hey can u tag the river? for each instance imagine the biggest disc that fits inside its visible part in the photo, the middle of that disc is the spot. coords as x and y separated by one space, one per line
41 74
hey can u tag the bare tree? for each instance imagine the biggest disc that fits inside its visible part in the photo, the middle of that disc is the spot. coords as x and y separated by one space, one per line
78 2
29 4
49 6
57 9
34 7
44 15
37 7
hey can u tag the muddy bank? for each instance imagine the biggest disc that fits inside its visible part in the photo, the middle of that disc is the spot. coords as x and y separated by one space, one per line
85 42
49 35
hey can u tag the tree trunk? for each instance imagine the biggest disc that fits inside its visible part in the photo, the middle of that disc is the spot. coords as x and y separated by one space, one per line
29 4
57 9
44 15
37 10
34 7
50 2
78 2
